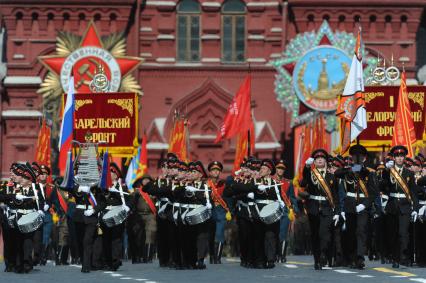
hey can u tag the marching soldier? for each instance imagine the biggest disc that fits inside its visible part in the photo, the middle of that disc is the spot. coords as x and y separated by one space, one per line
42 236
89 202
195 195
115 198
28 200
61 202
402 204
291 208
381 200
322 204
360 190
266 232
169 249
7 197
420 229
245 211
220 212
145 214
337 245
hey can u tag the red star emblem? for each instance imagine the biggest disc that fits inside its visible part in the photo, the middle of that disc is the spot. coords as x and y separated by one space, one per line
84 62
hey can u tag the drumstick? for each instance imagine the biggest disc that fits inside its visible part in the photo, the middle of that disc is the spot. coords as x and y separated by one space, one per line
270 186
124 193
27 197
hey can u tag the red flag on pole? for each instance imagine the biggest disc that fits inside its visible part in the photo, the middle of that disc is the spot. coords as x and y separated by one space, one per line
244 140
404 132
142 161
43 153
238 118
178 139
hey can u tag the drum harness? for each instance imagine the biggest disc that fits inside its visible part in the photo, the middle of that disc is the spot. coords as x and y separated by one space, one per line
268 201
246 205
162 207
181 206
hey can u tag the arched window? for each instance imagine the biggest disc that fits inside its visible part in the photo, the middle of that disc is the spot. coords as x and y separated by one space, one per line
233 31
188 18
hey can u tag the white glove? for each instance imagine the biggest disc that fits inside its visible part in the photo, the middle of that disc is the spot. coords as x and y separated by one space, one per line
114 190
343 215
84 189
20 197
190 189
422 210
40 212
209 206
414 216
359 208
309 161
250 195
126 208
390 164
89 212
336 219
262 187
46 207
282 204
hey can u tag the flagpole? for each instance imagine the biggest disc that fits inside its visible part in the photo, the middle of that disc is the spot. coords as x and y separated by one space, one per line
248 132
248 144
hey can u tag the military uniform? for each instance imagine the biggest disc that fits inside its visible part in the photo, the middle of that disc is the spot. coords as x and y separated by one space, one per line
220 211
60 201
402 205
85 218
7 198
169 249
245 212
144 224
24 241
322 208
291 207
420 228
360 190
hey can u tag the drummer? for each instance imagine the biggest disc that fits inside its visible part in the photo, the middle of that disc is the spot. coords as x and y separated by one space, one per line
196 195
9 228
291 207
89 202
28 200
115 197
267 191
42 235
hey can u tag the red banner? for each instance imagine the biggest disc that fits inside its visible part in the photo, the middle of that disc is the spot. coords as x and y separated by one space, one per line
109 117
381 104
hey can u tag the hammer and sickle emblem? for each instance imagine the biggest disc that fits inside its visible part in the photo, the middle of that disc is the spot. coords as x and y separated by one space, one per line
84 70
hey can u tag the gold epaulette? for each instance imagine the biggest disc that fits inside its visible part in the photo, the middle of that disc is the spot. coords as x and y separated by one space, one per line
371 170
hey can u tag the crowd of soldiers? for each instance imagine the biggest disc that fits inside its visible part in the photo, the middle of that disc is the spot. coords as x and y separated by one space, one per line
181 215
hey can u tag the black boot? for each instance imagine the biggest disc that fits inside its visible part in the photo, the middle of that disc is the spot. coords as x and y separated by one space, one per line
149 253
283 252
200 264
360 264
43 256
214 257
58 255
64 255
145 253
218 248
